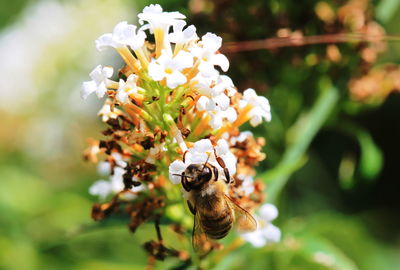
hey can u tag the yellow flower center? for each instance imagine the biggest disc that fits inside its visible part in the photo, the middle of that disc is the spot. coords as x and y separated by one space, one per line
168 70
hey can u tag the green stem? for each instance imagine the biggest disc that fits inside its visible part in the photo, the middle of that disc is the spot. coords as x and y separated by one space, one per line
303 131
176 102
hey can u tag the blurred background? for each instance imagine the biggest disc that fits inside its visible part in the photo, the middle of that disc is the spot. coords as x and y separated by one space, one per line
332 146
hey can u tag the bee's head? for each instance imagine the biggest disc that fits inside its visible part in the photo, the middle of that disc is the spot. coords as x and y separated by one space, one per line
196 175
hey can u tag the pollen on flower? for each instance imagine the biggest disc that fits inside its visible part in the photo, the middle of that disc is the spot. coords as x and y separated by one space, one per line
170 107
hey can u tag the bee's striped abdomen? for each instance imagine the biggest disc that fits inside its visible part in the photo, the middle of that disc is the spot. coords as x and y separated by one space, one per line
217 227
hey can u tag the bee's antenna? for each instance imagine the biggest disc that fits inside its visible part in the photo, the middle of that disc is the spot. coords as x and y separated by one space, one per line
205 163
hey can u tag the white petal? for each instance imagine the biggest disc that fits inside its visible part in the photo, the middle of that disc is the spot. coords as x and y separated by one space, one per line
176 167
123 32
96 74
230 114
117 182
101 90
108 71
230 162
105 41
202 103
156 71
207 69
222 147
119 161
203 146
256 238
255 120
197 157
248 189
122 96
183 59
268 212
100 188
175 79
249 93
138 41
222 101
211 42
272 233
221 60
104 168
88 88
189 33
216 121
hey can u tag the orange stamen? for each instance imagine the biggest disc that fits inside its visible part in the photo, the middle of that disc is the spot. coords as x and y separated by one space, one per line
202 125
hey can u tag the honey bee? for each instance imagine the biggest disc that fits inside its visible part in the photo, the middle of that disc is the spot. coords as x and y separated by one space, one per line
215 213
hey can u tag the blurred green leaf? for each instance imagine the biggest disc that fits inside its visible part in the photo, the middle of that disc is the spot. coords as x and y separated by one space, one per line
386 9
301 135
322 252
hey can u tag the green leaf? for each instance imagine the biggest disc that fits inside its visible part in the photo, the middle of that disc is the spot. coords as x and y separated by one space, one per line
386 9
326 254
300 137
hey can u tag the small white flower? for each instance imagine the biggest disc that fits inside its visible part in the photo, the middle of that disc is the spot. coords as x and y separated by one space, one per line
199 153
180 36
170 68
218 109
100 79
218 116
224 83
208 56
103 188
127 88
266 232
260 107
106 113
156 18
215 91
123 34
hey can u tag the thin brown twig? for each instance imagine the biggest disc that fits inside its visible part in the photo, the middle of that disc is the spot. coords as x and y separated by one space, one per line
295 41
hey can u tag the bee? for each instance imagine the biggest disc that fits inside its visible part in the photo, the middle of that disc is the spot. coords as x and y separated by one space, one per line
215 213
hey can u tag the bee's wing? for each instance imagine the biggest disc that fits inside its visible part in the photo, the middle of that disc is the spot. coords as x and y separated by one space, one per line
201 243
244 221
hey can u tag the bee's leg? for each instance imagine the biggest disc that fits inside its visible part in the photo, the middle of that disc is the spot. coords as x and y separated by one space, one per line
227 176
191 208
184 182
216 174
221 163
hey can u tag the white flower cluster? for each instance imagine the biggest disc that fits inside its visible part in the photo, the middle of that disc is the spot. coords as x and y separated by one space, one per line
181 59
266 232
199 153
